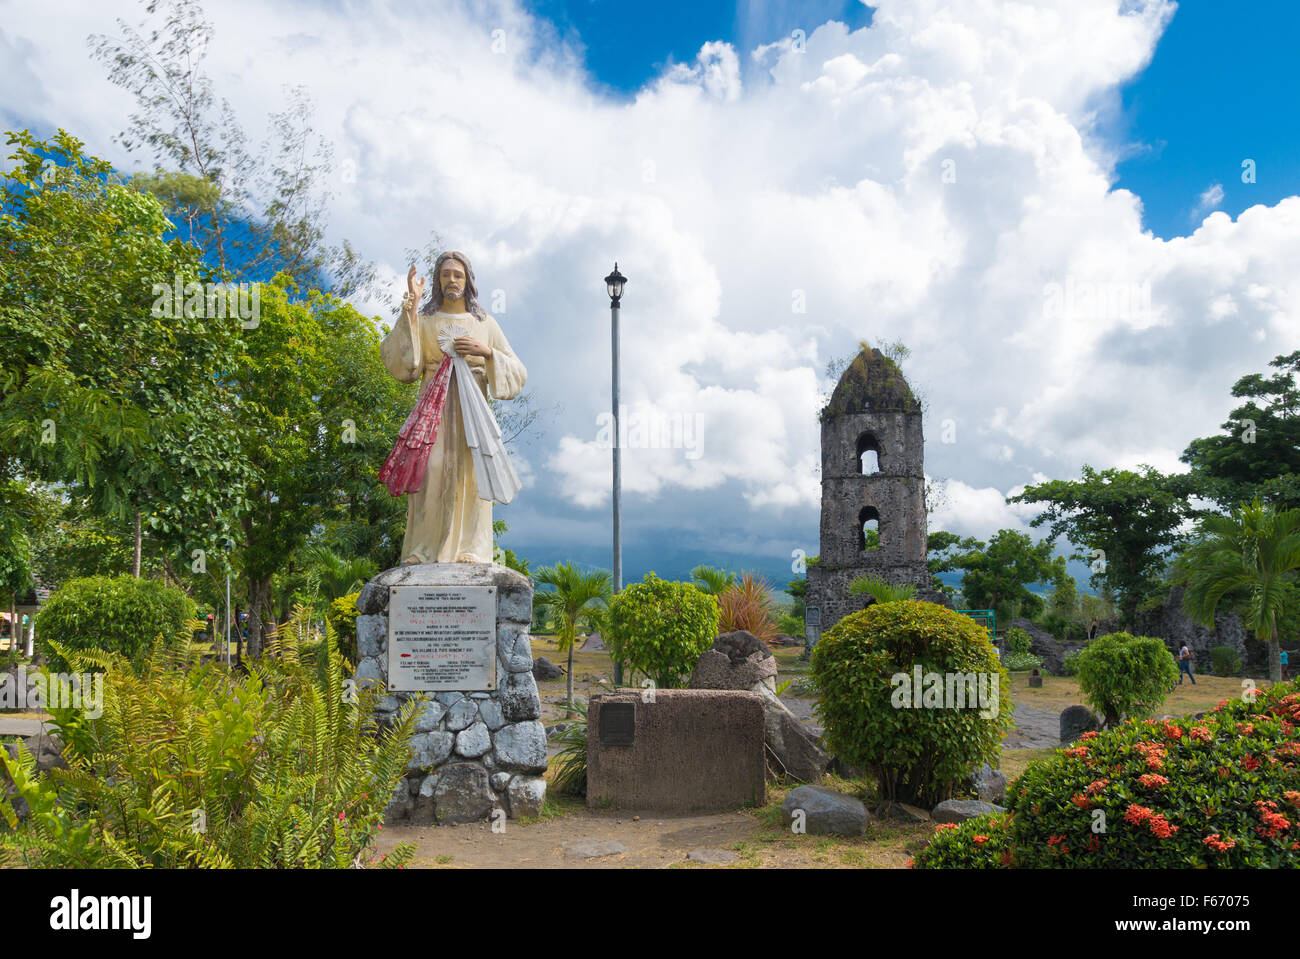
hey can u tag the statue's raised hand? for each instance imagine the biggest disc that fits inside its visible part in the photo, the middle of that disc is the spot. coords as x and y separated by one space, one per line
414 288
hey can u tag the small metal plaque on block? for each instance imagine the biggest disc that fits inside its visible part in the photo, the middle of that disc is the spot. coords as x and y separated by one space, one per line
442 638
618 724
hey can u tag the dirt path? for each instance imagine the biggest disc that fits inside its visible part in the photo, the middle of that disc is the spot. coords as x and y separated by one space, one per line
654 842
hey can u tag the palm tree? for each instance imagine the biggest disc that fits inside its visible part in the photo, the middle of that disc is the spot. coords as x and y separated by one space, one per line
712 580
337 575
574 593
1256 549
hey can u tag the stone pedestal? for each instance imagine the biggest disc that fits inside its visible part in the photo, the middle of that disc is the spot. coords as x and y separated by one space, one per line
474 750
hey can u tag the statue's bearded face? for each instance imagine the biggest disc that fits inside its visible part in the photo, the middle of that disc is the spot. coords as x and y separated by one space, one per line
452 279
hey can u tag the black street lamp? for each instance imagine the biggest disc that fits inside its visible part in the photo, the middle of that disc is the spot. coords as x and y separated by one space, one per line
614 285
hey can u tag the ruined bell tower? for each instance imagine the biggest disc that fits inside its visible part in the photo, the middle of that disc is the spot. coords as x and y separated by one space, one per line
873 491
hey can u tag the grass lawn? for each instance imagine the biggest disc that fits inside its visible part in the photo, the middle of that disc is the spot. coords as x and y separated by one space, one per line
1058 692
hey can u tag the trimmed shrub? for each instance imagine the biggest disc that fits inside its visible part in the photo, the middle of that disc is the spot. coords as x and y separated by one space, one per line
1225 661
865 667
1122 675
1221 791
661 628
119 614
1070 663
1018 641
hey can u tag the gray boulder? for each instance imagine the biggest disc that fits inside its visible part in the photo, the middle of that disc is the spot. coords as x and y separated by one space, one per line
473 741
736 660
988 783
544 669
463 794
1077 720
522 746
462 714
792 751
519 698
825 811
959 810
527 793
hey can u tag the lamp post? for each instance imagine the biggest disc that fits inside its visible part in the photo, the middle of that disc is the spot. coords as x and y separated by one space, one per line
614 286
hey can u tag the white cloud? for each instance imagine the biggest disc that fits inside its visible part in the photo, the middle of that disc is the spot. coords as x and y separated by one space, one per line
768 225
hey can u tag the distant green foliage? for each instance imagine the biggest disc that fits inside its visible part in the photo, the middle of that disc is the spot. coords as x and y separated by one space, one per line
197 766
916 754
661 628
1123 675
1018 641
119 614
1070 663
1225 661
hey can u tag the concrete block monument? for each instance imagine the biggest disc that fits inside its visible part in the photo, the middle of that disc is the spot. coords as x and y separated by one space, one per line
675 750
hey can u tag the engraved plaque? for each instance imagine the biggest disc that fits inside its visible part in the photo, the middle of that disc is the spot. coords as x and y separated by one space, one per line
442 638
617 724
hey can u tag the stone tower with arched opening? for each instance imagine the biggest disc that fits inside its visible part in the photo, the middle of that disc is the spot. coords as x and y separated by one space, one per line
873 481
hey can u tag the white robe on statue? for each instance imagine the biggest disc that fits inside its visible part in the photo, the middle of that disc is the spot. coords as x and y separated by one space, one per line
446 520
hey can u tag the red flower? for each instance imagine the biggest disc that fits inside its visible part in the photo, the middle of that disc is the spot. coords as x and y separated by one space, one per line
1153 780
1090 734
1136 814
945 825
1097 786
1245 729
1160 826
1202 733
1080 800
1293 797
980 840
1078 752
1173 732
1217 844
1250 762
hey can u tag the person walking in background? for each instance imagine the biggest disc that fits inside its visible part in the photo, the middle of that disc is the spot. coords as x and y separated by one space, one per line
1092 628
1185 664
1284 665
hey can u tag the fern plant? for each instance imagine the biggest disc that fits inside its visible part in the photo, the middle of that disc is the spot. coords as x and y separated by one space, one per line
569 767
881 590
193 765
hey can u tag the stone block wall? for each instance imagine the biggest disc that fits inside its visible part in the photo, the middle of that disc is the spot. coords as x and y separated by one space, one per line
474 750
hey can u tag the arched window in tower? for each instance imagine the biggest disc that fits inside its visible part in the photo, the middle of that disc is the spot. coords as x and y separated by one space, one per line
869 529
868 454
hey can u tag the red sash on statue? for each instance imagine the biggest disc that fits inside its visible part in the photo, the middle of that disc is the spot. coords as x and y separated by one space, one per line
403 471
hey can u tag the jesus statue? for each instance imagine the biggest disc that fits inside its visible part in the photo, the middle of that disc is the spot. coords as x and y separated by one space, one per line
449 458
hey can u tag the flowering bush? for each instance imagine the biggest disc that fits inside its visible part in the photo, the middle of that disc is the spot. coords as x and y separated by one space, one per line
1221 791
917 742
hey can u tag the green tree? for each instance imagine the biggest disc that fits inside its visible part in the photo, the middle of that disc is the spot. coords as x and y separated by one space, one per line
942 551
1126 521
998 574
100 389
1258 454
1256 550
573 593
